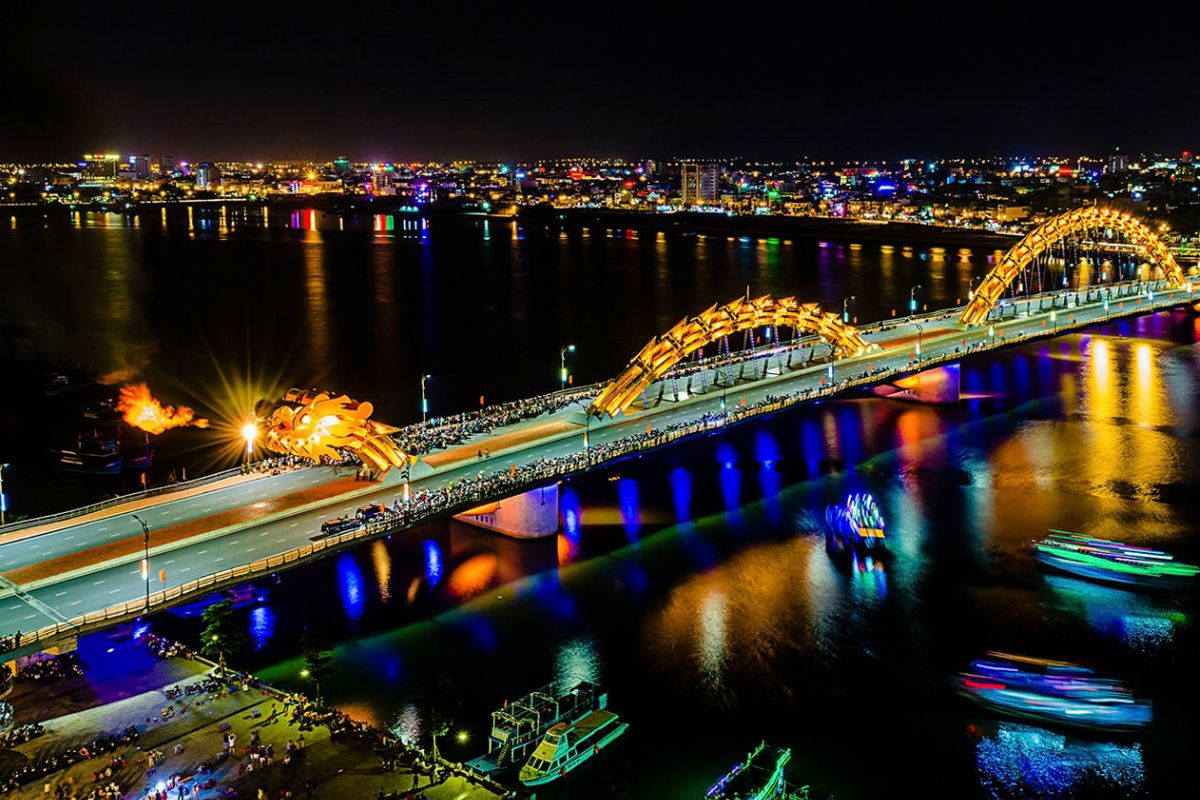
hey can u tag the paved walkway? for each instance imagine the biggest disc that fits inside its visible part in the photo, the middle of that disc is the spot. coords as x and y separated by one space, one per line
190 734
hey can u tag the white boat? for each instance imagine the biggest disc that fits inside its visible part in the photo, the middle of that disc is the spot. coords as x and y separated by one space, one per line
568 745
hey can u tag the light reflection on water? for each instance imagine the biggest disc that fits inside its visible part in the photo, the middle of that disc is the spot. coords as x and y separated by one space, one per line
1021 761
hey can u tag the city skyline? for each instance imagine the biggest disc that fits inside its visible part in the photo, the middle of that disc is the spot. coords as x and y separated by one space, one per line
461 81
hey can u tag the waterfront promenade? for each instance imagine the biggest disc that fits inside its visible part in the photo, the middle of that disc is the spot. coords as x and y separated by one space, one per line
126 688
33 597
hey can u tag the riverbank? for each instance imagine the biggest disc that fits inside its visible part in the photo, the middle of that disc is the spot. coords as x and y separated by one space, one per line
182 731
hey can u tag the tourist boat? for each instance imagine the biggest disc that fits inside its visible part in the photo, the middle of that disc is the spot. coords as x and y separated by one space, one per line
519 725
759 777
94 454
1053 692
569 745
855 528
1112 562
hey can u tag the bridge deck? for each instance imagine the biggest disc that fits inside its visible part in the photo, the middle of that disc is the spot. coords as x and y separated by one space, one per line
79 590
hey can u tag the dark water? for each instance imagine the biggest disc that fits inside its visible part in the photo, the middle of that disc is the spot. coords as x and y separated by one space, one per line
690 583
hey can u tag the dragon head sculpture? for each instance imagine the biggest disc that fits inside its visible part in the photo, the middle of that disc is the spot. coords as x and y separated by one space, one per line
313 424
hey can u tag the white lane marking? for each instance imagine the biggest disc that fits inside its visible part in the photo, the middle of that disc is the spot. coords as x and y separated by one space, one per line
102 528
215 560
172 561
97 583
31 616
69 538
251 549
294 524
113 591
264 533
277 541
77 602
59 594
202 552
186 569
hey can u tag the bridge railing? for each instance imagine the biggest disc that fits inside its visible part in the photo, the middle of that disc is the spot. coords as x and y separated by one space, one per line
467 493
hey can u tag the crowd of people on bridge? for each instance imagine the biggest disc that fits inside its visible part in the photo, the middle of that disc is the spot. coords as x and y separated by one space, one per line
442 432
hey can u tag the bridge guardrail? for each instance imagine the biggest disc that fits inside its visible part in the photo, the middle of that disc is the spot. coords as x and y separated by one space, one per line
441 501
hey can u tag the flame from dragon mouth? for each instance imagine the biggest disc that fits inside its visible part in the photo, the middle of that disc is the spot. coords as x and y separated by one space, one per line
141 410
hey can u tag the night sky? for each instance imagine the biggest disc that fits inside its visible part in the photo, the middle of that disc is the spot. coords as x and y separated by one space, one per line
515 79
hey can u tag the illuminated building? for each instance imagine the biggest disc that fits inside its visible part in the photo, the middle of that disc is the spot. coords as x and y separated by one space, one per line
101 166
141 166
699 183
208 176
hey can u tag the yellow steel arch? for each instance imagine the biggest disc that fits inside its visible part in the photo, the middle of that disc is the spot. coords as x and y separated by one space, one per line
689 335
1040 239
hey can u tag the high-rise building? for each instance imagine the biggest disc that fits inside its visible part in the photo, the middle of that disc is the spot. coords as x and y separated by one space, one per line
208 176
167 164
141 165
700 183
101 166
1118 162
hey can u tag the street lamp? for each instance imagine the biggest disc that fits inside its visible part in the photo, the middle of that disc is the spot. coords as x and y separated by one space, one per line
249 434
562 364
3 498
971 289
424 399
845 312
145 556
912 299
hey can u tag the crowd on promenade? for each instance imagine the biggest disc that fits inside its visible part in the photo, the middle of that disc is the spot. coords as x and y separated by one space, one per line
441 432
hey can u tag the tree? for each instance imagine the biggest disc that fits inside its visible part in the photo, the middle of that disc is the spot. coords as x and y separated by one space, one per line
223 633
318 657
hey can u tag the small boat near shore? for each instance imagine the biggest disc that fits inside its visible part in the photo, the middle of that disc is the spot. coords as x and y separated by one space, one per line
569 745
1113 562
520 725
760 776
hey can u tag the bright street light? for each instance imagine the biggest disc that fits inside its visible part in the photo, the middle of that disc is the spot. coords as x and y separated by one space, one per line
424 399
462 737
562 363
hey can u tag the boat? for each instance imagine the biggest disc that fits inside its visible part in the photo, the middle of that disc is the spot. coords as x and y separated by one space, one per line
855 528
519 726
569 745
1112 562
1052 692
759 777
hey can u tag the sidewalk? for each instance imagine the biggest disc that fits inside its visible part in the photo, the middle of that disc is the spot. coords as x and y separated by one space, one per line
195 726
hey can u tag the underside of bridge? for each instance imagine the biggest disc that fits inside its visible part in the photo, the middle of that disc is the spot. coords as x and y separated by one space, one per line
714 325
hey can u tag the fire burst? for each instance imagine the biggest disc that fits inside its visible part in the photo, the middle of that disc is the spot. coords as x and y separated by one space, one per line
142 411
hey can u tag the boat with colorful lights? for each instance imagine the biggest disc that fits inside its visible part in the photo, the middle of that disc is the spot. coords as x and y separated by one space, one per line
855 528
759 776
569 745
1113 562
1052 692
518 726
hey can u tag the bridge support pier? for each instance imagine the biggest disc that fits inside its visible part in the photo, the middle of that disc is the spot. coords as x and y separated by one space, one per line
532 515
937 386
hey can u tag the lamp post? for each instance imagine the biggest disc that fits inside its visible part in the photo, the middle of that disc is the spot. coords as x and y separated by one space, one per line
3 497
249 434
845 310
145 556
424 399
912 300
920 330
562 364
971 289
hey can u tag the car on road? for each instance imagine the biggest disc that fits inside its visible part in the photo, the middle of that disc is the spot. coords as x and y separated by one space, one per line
371 512
335 525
